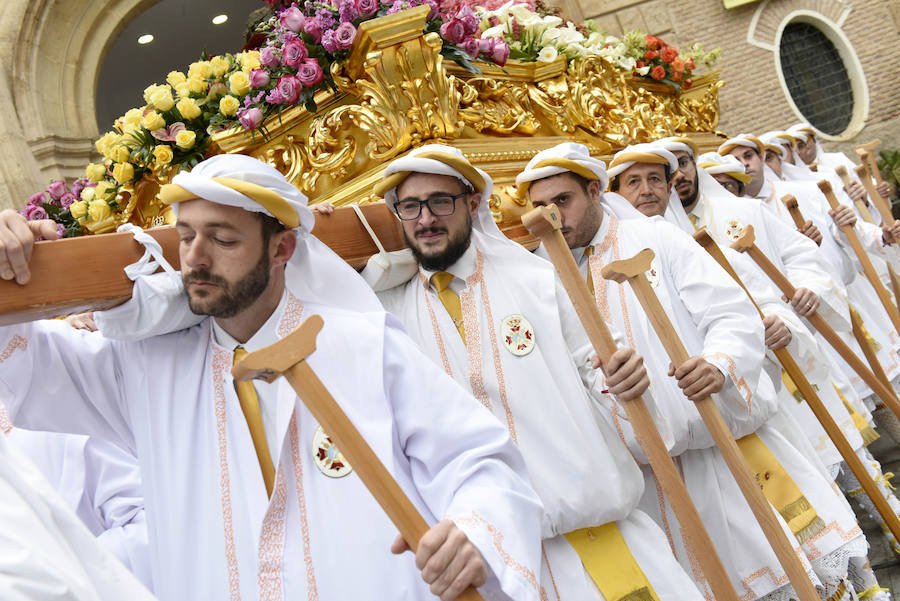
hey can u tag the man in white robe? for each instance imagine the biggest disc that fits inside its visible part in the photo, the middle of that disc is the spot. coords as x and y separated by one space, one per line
721 330
515 341
246 496
100 482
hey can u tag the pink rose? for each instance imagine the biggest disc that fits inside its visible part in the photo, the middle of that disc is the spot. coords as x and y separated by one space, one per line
469 19
268 57
36 199
57 189
486 46
314 29
66 200
328 42
293 19
470 46
453 31
366 8
344 35
250 118
294 53
34 212
60 230
500 53
259 78
289 88
310 73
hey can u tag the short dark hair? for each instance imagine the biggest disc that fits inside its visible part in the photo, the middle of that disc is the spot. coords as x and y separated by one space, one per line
614 184
270 226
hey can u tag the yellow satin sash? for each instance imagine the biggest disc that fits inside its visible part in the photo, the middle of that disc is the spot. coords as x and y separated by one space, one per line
612 567
780 489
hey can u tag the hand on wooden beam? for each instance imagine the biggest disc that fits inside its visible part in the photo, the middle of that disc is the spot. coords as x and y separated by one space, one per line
891 234
805 302
626 376
697 378
17 236
778 335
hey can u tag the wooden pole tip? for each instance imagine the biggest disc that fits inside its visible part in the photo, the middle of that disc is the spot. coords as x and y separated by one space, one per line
703 237
861 171
789 201
841 171
270 362
542 220
824 186
619 271
746 240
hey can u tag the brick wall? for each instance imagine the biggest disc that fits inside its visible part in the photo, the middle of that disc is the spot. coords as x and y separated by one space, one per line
753 99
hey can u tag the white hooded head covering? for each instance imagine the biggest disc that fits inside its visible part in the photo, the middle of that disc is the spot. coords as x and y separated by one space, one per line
641 153
807 133
746 140
393 269
314 273
571 157
784 141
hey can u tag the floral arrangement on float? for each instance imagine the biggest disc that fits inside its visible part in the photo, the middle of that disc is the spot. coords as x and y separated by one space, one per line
296 45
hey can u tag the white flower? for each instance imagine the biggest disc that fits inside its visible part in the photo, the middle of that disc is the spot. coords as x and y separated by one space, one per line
550 36
496 31
547 54
569 35
643 70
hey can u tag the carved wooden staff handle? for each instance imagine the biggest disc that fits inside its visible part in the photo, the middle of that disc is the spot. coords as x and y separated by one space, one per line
287 357
887 220
632 270
794 209
860 205
544 223
867 153
864 260
746 243
831 427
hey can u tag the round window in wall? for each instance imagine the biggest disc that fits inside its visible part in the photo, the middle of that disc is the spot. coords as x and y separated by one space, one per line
816 77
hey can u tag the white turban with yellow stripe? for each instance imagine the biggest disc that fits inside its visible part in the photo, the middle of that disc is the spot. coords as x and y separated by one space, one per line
682 143
568 157
743 140
715 164
641 153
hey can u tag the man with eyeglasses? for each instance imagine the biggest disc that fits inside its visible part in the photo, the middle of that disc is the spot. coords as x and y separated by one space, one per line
497 320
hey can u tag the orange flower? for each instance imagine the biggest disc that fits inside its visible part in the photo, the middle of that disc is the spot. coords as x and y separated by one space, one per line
653 43
658 73
689 64
639 64
650 55
669 53
676 75
678 64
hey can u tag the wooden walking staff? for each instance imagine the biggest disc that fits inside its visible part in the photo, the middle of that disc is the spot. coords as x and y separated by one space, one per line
633 271
287 357
864 260
887 219
867 153
794 209
832 429
858 332
544 223
861 206
747 243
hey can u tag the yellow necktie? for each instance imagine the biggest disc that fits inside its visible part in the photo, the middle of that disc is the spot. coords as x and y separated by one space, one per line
694 219
441 282
250 406
590 280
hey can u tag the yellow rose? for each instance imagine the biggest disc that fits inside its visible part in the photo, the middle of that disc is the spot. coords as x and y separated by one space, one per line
132 120
105 143
175 77
99 210
183 89
188 108
161 98
229 105
250 60
123 172
239 83
163 154
87 195
197 85
185 139
79 209
95 172
148 92
121 154
104 189
200 69
219 66
153 121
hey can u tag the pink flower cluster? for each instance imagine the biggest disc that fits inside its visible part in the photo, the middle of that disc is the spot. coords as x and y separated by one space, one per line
54 202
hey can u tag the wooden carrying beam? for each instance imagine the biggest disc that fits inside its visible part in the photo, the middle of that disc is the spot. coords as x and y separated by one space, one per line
544 223
867 153
747 243
633 271
86 273
287 357
831 427
887 220
861 206
861 255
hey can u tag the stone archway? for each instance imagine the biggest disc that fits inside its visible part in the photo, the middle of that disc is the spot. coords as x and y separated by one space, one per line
57 48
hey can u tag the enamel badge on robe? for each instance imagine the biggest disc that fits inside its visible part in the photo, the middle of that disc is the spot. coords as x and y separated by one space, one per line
517 334
328 457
